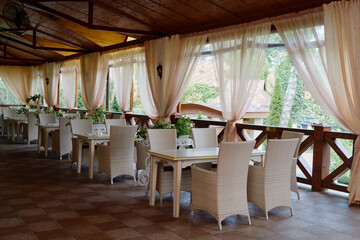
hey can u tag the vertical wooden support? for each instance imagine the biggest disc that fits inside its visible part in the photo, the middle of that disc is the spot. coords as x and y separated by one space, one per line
76 89
132 97
90 13
58 96
34 39
321 156
178 108
107 90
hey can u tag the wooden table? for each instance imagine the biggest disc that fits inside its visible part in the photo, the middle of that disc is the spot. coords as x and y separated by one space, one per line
45 129
179 159
92 139
14 124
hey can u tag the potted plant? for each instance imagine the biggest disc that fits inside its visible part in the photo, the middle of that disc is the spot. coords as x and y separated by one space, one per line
22 111
183 127
33 101
98 117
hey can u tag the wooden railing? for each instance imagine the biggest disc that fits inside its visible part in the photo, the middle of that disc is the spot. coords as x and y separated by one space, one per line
319 140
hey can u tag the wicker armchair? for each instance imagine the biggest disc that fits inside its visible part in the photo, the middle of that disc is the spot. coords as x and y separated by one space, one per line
30 128
166 139
223 193
61 139
269 186
8 113
205 138
114 122
291 135
118 158
80 126
47 118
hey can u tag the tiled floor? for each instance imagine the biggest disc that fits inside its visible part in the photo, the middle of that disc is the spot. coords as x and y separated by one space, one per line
42 198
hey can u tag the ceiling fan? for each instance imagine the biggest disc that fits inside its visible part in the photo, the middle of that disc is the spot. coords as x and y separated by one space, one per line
16 16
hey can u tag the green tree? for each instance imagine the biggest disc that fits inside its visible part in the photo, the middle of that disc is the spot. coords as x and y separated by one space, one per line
200 93
276 104
114 106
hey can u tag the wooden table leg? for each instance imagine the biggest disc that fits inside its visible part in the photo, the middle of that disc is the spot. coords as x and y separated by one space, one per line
91 158
46 141
8 128
177 187
79 156
18 132
153 177
13 127
39 139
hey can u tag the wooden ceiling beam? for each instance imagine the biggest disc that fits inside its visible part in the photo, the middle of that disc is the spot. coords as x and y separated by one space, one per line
40 48
11 57
29 27
23 50
85 24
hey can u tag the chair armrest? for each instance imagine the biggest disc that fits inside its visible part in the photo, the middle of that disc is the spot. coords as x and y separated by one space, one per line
103 148
202 175
256 173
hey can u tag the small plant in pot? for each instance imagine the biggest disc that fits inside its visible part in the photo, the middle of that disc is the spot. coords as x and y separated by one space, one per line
183 127
98 117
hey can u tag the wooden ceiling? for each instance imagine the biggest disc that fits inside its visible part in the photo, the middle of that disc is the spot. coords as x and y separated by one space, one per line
64 29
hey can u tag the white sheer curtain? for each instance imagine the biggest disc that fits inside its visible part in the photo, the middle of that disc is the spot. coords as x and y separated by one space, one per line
342 34
239 57
328 65
51 83
122 71
69 70
94 68
178 58
147 101
19 81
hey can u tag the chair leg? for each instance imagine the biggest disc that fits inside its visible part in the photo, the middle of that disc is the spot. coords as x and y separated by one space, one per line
161 198
298 195
266 215
249 220
192 213
111 181
219 223
60 157
292 211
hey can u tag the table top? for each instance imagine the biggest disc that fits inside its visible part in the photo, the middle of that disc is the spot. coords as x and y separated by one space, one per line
93 136
18 118
50 125
189 154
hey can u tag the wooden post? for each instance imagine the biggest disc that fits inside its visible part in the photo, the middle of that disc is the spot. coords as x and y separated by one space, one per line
132 97
178 108
107 90
321 156
76 89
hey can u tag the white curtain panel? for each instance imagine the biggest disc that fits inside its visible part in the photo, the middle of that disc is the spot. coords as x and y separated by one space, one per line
19 81
94 69
146 98
239 58
122 73
69 70
52 73
326 59
342 34
178 58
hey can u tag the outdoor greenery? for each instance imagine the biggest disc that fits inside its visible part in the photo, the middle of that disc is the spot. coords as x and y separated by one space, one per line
199 93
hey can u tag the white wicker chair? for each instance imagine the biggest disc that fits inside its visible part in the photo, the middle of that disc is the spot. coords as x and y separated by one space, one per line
299 136
47 118
114 122
204 138
80 126
30 128
269 186
118 158
166 139
223 193
8 113
61 139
